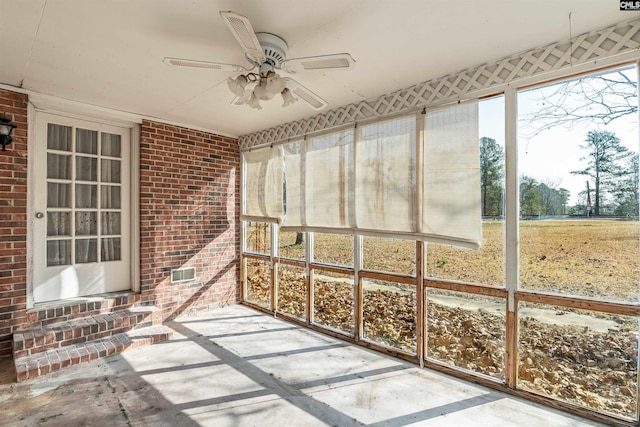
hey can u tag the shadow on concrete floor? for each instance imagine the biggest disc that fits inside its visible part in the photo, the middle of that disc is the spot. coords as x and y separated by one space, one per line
235 367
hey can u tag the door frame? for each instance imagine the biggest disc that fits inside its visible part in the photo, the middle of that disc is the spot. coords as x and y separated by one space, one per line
38 105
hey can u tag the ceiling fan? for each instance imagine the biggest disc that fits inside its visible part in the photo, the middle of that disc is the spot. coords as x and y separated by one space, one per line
267 52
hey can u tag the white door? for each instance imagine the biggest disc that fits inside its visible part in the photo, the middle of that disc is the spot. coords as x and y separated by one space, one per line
80 199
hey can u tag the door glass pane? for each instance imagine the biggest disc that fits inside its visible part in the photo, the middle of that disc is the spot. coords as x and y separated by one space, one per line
58 252
58 195
110 145
86 168
86 141
110 222
86 251
86 223
58 223
58 137
110 196
86 196
58 166
110 170
110 249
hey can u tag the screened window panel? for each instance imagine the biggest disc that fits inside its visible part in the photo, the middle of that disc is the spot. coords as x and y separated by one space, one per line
385 177
451 200
263 183
293 197
328 188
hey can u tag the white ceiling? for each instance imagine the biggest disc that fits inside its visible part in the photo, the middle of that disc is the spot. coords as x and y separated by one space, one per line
109 53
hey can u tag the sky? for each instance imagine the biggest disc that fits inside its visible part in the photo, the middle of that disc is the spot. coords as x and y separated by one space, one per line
551 155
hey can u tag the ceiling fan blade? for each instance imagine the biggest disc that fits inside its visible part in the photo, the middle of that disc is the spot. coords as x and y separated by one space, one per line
178 62
241 28
305 94
337 61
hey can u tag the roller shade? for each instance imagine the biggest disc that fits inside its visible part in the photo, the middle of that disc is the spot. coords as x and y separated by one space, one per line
292 157
263 184
328 175
378 178
451 200
385 178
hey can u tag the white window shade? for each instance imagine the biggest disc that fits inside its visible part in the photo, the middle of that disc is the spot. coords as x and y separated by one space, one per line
328 175
385 176
293 186
379 180
451 200
263 184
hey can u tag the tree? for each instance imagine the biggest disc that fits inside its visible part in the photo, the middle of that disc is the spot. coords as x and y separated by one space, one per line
529 203
551 200
564 198
604 153
627 187
491 176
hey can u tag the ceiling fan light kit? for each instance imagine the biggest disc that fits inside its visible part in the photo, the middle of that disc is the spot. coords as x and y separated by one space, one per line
268 53
287 97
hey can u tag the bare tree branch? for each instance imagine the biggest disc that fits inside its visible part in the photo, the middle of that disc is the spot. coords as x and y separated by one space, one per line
598 99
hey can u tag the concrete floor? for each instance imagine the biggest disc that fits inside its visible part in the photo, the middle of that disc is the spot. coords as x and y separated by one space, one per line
237 367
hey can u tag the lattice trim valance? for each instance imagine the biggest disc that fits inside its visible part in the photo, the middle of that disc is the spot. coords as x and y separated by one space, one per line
614 40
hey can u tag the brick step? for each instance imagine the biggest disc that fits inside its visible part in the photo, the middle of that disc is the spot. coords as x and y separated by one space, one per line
73 308
28 342
55 359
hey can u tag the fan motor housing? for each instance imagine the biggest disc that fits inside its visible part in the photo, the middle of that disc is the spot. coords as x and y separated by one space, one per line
275 48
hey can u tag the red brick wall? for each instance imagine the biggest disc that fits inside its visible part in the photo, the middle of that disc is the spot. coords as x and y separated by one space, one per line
189 207
13 221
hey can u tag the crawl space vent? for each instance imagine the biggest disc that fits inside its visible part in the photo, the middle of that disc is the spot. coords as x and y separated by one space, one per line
183 274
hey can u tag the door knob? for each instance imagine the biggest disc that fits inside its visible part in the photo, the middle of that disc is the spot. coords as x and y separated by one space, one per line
39 215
